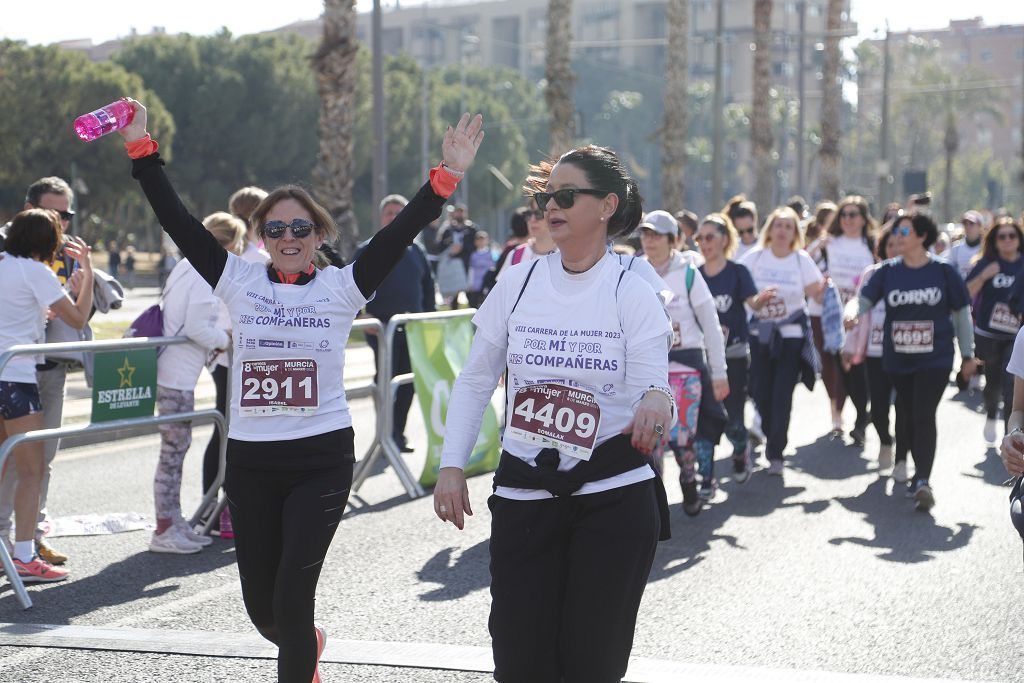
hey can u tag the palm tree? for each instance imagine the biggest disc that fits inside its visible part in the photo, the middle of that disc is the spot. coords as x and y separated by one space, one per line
560 77
831 94
760 122
673 156
334 63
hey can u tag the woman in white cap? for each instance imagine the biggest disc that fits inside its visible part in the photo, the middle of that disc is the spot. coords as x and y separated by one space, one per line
695 327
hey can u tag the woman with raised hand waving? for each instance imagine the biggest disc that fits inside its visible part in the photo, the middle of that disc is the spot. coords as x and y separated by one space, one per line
290 446
577 509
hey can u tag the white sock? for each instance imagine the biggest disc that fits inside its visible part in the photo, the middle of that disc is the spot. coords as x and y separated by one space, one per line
24 551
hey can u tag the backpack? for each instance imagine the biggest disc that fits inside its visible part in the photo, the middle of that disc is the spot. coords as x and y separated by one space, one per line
150 323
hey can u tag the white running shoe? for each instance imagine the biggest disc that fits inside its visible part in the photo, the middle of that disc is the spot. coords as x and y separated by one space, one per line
173 541
899 473
990 431
191 535
885 456
975 383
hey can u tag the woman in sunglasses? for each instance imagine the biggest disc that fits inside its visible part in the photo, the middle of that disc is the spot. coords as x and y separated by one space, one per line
577 509
781 333
926 305
290 443
732 286
743 214
847 248
996 323
539 243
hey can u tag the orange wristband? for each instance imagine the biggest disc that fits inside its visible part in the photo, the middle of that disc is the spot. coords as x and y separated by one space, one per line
442 182
142 147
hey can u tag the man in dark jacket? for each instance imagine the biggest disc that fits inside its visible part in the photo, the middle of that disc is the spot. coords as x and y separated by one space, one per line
409 288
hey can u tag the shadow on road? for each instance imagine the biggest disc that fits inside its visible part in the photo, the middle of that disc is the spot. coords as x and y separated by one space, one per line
902 534
828 458
468 573
990 470
692 537
117 584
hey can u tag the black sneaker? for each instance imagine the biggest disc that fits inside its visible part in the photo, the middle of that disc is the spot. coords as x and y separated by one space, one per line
858 434
692 503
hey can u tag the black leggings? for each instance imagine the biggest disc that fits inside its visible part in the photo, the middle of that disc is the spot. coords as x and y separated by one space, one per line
855 384
917 398
284 522
567 576
880 386
736 402
211 459
773 381
998 384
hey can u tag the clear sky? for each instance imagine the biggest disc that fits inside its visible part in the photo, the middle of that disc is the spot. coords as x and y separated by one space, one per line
55 20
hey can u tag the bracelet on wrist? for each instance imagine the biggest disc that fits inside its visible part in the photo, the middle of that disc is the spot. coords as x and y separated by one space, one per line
454 172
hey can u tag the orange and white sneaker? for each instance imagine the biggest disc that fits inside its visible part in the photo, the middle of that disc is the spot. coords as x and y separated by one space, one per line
39 571
321 643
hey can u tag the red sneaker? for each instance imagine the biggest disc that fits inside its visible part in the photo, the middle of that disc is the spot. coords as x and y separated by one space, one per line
321 642
39 571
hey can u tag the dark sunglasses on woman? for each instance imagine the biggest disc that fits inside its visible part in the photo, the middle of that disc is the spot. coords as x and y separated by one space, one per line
564 198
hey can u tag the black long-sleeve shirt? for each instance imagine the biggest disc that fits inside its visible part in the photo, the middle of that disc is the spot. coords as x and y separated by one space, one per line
206 255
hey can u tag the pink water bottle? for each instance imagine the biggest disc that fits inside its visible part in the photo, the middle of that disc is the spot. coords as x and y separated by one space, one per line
114 116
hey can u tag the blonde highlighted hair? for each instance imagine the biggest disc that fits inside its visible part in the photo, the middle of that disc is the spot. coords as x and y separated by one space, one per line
229 230
788 213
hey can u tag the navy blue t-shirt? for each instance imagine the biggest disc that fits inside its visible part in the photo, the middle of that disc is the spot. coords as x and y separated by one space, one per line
918 307
993 314
731 288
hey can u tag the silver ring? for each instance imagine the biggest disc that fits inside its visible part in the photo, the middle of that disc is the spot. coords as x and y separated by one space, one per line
442 508
659 430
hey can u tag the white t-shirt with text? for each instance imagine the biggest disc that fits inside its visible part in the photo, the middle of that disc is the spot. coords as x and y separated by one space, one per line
790 275
29 287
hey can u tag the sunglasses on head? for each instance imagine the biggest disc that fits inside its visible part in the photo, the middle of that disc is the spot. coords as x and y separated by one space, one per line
564 198
300 228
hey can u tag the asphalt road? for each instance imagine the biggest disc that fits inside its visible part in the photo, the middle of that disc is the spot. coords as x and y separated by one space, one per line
827 569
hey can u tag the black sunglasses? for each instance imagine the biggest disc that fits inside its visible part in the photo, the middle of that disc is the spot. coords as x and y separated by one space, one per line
849 214
1006 235
535 214
565 198
66 215
300 228
746 231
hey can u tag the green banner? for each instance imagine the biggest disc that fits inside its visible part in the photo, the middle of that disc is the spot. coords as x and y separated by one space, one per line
438 349
124 385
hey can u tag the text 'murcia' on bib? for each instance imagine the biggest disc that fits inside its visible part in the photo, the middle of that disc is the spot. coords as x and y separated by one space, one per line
556 416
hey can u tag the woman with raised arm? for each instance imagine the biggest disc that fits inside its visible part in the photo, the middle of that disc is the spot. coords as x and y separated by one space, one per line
290 443
577 510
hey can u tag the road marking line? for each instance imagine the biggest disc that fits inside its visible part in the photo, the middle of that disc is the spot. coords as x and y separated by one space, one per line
439 656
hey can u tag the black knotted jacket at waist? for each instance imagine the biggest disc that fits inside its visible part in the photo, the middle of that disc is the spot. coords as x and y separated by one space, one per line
613 457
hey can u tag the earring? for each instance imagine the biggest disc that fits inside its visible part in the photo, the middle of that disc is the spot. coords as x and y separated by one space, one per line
602 219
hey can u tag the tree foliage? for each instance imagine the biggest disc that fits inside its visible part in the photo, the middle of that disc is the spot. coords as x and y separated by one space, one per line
43 90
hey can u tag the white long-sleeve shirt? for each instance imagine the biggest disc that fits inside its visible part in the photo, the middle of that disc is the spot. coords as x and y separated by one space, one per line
190 310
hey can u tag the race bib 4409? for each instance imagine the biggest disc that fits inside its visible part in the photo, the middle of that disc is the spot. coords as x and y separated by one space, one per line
556 416
279 387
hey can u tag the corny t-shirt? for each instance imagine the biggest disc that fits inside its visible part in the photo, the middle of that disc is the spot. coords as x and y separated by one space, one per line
730 288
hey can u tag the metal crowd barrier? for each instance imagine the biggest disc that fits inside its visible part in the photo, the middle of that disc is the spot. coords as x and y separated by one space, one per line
388 386
11 442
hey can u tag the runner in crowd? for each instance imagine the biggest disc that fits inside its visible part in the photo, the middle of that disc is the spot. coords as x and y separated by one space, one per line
538 244
190 310
844 251
990 284
962 254
743 214
290 449
864 345
926 305
31 290
692 311
578 509
241 204
815 227
781 348
731 286
51 374
480 263
1011 449
687 230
